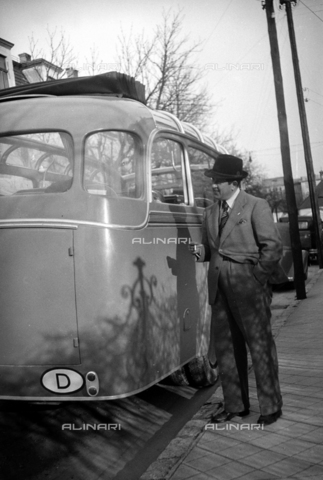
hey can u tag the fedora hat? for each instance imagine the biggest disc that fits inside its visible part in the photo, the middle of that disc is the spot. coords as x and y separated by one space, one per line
227 167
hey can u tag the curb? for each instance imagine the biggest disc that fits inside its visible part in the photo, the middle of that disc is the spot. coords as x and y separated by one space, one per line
182 444
179 448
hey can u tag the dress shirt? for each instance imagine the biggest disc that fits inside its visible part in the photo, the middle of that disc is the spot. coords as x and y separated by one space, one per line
231 200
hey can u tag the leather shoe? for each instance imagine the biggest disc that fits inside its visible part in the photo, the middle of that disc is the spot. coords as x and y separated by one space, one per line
224 416
269 419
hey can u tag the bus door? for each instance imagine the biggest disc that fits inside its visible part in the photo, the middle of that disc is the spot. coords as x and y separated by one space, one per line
174 224
38 313
37 286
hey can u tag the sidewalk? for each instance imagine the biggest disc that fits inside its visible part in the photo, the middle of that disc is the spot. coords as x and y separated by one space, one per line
290 448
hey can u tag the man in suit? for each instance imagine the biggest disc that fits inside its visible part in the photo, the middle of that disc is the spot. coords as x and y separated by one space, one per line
243 247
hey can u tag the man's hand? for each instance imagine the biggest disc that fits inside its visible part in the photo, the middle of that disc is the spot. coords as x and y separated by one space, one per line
195 249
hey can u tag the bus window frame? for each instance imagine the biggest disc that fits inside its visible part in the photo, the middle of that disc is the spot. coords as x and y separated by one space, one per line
204 149
50 149
167 134
186 142
141 165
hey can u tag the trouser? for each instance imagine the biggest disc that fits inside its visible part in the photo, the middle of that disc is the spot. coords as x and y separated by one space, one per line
241 316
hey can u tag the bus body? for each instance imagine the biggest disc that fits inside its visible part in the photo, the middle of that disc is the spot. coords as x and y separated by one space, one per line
100 197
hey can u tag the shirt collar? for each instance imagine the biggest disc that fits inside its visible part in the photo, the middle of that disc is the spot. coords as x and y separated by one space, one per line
232 199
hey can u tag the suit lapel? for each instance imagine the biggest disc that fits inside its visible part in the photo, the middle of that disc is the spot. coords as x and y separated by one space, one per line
235 215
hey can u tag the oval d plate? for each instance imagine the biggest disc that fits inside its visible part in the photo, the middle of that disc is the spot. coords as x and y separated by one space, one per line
62 381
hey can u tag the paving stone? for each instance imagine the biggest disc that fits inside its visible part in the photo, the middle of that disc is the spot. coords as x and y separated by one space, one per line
207 462
287 467
184 472
230 471
263 458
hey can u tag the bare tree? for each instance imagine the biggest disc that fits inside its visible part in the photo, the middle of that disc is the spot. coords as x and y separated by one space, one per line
166 65
254 183
92 64
57 57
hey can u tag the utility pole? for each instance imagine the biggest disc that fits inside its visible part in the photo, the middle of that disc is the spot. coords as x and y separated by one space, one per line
285 152
305 134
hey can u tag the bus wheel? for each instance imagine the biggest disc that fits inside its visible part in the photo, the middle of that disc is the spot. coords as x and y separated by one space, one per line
200 373
196 373
177 378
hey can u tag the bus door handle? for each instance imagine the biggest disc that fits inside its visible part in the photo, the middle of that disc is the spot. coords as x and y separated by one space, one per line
186 320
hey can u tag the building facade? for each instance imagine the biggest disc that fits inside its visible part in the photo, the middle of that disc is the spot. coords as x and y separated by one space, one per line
300 185
22 70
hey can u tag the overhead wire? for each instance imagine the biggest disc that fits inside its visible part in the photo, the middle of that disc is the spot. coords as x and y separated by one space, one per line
306 88
311 10
259 123
300 148
292 145
260 115
313 101
218 23
239 59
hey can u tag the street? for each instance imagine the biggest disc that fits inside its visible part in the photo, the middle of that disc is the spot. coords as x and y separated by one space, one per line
107 440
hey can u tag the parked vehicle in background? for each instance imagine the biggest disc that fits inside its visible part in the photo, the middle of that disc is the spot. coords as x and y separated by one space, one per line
287 258
307 231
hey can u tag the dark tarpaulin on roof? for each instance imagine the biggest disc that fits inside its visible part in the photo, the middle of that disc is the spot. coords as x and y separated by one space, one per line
105 84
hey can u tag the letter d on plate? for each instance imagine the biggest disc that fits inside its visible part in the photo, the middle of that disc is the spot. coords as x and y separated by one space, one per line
62 380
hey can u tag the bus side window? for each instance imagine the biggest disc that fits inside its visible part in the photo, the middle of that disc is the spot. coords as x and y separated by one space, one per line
167 172
111 166
202 185
36 163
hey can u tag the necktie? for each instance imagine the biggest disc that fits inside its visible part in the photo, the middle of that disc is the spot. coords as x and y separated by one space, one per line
224 216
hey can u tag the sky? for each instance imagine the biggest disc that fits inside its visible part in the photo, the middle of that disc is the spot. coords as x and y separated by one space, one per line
234 56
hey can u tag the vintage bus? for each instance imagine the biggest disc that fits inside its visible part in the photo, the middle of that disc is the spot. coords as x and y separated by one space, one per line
99 199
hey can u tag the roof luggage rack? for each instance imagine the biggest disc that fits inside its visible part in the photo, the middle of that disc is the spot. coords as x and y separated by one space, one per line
168 120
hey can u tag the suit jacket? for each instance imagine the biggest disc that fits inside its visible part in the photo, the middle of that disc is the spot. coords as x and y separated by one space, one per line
249 236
